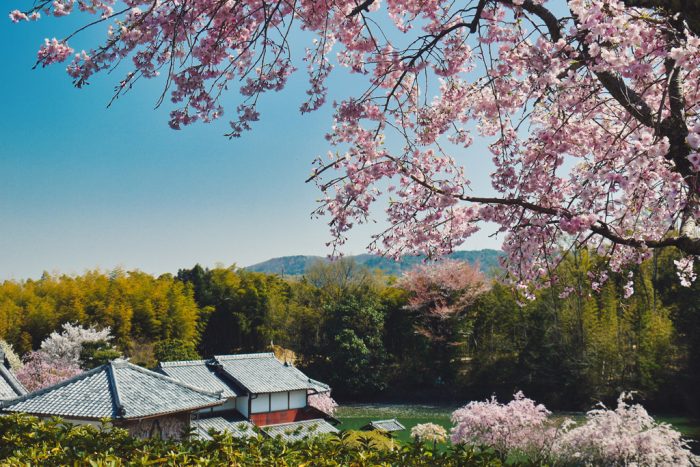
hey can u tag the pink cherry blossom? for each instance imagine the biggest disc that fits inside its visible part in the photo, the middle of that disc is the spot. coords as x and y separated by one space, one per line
588 110
41 370
627 435
16 16
53 51
323 402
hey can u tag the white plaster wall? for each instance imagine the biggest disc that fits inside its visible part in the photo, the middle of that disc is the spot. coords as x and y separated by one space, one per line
261 403
230 404
242 405
297 399
279 401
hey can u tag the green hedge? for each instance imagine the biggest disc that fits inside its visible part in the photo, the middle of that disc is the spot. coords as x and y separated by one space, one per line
26 440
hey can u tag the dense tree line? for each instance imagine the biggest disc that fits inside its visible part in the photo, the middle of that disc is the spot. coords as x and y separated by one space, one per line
435 332
139 309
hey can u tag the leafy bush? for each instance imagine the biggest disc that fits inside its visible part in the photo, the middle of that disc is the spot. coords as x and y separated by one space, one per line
174 349
96 353
26 440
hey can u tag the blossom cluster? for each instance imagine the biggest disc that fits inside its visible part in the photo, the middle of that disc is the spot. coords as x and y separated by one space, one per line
627 435
323 402
67 344
520 425
58 357
429 432
40 370
608 94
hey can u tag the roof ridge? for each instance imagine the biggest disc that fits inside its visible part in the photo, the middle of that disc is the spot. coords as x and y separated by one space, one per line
298 422
183 363
53 387
114 389
12 380
148 372
243 356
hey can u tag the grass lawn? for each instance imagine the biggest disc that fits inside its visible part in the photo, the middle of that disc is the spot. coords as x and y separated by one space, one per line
355 416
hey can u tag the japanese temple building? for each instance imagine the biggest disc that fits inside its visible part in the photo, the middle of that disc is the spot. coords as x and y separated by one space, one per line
240 394
260 390
10 388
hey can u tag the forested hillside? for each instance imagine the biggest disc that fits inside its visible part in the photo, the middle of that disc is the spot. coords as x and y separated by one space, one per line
298 265
432 333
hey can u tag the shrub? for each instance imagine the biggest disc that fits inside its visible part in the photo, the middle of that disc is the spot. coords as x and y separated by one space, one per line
519 426
429 432
28 441
627 435
174 349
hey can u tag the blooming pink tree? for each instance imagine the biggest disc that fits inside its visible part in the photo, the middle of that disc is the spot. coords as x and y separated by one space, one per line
41 370
444 289
590 109
323 402
627 435
440 296
520 425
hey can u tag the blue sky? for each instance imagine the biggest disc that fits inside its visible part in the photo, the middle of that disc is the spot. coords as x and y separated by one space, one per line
83 186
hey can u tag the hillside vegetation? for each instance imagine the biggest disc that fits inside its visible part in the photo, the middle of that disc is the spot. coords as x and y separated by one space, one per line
298 265
440 332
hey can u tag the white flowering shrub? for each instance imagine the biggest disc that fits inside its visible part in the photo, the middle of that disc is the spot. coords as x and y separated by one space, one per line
68 344
429 432
627 435
11 356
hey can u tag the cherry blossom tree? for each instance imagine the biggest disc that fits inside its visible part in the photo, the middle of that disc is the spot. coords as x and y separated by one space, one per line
590 109
67 345
520 425
41 370
440 297
444 289
627 435
323 402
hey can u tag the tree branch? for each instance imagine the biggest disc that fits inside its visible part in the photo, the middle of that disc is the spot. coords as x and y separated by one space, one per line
359 8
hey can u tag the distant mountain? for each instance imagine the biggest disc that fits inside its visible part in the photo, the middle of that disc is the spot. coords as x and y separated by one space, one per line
297 265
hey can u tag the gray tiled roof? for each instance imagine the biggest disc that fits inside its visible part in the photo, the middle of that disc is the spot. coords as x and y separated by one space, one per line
296 431
232 423
198 374
10 388
117 390
262 372
386 425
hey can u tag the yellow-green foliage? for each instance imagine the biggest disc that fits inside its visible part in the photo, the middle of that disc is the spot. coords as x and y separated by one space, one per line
134 304
27 441
374 438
